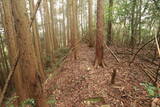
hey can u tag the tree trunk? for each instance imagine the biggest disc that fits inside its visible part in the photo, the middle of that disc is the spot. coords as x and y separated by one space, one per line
28 63
36 41
48 39
109 31
100 34
52 24
13 50
132 42
73 28
91 37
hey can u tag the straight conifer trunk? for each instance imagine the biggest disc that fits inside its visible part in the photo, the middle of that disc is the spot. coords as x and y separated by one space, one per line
91 38
109 31
12 46
29 67
100 34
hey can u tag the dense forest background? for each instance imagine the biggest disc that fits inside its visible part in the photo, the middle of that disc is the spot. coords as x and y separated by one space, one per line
37 36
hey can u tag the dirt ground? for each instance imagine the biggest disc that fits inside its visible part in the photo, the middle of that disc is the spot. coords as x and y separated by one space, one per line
78 81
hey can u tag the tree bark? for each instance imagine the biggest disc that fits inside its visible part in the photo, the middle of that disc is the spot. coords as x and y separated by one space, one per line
73 27
36 39
109 31
13 50
90 18
132 42
29 67
100 34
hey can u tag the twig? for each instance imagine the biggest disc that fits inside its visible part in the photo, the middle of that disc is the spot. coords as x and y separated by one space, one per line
33 17
152 79
157 43
112 53
8 79
140 50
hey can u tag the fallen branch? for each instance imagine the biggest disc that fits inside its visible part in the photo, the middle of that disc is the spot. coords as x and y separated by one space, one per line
140 50
8 79
112 53
149 75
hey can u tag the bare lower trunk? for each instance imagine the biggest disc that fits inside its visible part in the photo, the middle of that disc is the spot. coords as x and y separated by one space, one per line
100 34
30 77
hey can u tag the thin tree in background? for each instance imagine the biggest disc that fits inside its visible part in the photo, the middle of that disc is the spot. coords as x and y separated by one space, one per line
110 18
48 31
36 39
73 27
90 19
100 34
132 41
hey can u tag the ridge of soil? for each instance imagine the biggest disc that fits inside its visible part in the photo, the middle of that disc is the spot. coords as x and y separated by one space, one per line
78 80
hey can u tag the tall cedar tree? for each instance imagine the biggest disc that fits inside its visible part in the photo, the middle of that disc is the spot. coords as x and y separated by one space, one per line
28 63
13 50
132 41
36 39
90 20
73 27
109 31
100 34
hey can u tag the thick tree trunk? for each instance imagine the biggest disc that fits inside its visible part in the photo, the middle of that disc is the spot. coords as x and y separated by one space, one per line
13 51
100 34
27 62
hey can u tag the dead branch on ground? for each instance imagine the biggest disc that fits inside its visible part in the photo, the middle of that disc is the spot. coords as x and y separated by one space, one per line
140 50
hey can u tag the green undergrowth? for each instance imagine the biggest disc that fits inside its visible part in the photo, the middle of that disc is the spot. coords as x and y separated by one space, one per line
151 90
28 102
94 100
59 55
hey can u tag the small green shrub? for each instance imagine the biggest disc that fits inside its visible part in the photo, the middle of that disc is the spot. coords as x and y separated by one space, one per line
52 101
10 101
30 101
61 52
151 89
59 56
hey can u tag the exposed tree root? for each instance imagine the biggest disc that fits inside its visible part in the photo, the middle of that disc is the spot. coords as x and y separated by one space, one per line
98 64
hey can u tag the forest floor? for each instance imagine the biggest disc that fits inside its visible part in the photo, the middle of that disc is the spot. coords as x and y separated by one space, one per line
80 84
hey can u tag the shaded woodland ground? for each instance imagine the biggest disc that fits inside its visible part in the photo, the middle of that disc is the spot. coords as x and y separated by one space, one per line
78 81
79 53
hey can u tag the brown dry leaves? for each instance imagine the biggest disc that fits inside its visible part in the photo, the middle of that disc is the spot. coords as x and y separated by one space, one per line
79 80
